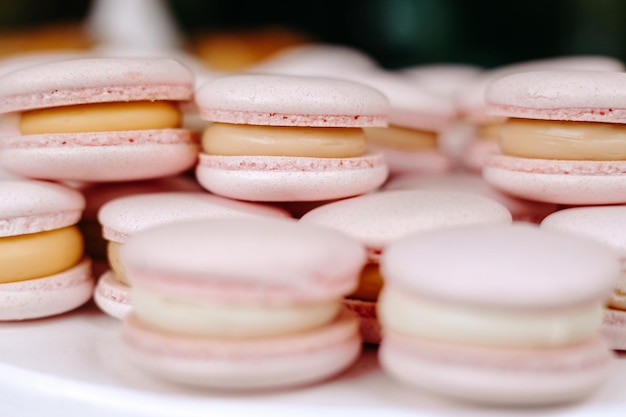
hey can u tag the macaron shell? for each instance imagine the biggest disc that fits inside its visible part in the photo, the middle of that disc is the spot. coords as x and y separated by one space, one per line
112 296
95 80
614 328
278 178
558 181
127 156
369 326
498 376
255 364
47 296
424 162
291 101
37 206
476 153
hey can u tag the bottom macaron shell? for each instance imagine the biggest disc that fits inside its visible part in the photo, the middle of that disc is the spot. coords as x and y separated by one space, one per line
614 328
558 181
431 161
47 296
369 327
248 364
283 178
498 376
112 296
122 156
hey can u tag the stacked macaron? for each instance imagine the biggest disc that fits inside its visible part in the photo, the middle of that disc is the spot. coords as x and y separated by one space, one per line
289 138
378 219
563 141
42 268
241 303
99 119
125 216
497 314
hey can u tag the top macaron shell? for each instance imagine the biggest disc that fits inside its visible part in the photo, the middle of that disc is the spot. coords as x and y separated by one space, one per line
281 100
560 95
126 216
278 260
520 267
37 206
95 80
377 219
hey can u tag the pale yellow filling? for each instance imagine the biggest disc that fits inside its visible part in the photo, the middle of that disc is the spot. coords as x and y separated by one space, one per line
370 283
115 261
618 298
422 318
401 138
489 132
230 320
101 117
319 142
548 139
38 255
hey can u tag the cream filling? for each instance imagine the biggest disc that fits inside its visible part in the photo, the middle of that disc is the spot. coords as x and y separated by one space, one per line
101 117
230 320
549 139
489 132
618 298
319 142
401 138
421 318
115 261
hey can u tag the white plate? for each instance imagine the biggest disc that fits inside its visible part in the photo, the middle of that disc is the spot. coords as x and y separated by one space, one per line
73 365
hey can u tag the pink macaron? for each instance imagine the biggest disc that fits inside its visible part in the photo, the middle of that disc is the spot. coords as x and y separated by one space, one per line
521 209
378 219
242 304
289 138
43 270
497 314
125 216
606 224
563 139
99 119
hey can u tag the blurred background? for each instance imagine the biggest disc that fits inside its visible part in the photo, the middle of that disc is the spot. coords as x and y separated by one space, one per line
396 33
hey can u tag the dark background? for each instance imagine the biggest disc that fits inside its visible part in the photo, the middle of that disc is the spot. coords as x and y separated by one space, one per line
395 32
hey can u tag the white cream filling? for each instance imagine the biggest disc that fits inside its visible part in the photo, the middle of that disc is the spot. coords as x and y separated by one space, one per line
446 322
618 298
230 320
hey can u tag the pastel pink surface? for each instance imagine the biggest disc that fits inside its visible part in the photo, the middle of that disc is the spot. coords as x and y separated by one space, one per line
369 326
47 296
378 219
521 210
425 162
560 95
37 206
254 364
285 261
614 328
441 265
101 156
282 100
125 216
443 79
476 153
94 80
558 181
283 178
498 376
112 296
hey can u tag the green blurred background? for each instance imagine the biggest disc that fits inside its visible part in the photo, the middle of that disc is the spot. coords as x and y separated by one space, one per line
395 32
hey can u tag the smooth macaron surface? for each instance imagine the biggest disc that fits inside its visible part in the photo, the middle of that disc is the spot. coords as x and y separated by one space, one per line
95 80
281 100
522 267
284 260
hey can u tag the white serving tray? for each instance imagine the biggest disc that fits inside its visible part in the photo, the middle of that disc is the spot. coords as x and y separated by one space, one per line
73 365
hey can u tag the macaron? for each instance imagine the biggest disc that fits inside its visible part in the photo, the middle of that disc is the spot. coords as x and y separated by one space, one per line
563 139
123 217
289 138
497 314
378 219
43 271
241 304
606 224
521 210
98 119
